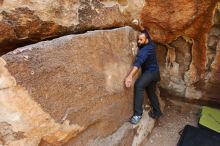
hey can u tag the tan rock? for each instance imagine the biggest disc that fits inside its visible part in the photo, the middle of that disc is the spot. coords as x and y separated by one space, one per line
23 122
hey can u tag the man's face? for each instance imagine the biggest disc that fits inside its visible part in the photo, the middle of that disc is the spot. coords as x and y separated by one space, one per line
142 40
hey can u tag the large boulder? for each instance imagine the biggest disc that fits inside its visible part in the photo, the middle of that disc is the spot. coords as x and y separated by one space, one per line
29 21
80 78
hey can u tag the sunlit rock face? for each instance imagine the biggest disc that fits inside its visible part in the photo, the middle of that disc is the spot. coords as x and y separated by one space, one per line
187 33
29 21
22 120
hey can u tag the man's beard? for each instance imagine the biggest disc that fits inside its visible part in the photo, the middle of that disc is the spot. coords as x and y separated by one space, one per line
140 45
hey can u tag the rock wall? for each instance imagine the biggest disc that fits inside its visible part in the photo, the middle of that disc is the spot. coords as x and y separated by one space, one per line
187 33
79 78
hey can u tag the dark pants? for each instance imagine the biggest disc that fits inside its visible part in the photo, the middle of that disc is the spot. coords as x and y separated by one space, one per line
147 81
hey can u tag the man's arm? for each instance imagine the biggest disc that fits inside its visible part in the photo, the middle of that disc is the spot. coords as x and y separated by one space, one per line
141 26
140 58
129 79
134 70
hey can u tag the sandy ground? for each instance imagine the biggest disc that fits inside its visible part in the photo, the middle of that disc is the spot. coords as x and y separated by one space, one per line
176 116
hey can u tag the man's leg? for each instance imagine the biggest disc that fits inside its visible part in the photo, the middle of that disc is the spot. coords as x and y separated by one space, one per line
141 83
151 91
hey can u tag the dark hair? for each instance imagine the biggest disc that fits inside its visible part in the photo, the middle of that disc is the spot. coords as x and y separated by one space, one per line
143 34
148 37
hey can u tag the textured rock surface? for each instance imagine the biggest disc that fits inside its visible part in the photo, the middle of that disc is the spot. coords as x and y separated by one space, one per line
28 21
23 122
187 30
80 78
187 33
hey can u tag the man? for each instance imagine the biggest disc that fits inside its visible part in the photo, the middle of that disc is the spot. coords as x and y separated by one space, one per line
147 61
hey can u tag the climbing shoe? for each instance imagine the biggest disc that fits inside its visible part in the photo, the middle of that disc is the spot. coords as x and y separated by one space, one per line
135 119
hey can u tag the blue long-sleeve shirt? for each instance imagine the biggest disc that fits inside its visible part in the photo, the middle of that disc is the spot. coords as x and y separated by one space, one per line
146 57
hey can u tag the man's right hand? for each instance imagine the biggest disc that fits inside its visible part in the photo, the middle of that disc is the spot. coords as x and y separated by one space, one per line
128 81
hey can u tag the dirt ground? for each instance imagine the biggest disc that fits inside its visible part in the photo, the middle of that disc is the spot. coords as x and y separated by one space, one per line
176 116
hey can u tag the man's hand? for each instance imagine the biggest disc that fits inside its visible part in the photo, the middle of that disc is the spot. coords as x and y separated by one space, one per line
128 81
135 22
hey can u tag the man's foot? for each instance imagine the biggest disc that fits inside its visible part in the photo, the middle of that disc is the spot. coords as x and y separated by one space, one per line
135 119
153 115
